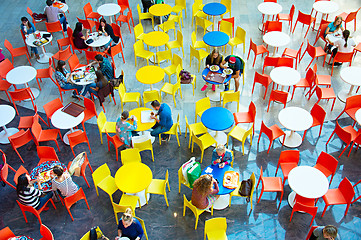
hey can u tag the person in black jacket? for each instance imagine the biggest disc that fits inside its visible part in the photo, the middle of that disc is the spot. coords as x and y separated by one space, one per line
107 30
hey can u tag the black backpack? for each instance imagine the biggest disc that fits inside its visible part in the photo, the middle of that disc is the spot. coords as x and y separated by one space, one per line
245 189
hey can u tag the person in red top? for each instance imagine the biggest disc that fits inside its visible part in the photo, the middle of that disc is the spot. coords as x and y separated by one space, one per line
221 156
204 192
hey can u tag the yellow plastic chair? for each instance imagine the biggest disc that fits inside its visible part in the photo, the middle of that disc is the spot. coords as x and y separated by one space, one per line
172 89
143 146
236 194
215 229
198 44
166 26
174 130
198 54
197 11
230 96
240 38
195 128
100 174
139 32
86 236
143 16
176 43
127 96
241 135
164 55
103 125
143 226
181 179
126 201
139 51
158 186
177 18
232 159
130 155
108 185
202 105
178 8
195 210
228 4
203 23
204 142
149 96
227 28
170 70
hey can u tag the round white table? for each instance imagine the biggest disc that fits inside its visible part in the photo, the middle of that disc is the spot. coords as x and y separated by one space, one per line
295 119
6 116
308 182
276 39
98 41
87 79
108 10
325 7
285 76
358 116
23 75
268 8
350 75
44 56
63 120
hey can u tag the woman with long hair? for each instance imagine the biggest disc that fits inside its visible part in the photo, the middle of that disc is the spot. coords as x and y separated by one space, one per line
204 192
107 30
79 38
129 226
63 182
335 26
124 129
63 77
346 44
214 58
28 28
99 83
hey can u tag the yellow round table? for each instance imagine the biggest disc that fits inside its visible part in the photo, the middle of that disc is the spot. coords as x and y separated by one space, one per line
155 39
160 10
137 113
150 75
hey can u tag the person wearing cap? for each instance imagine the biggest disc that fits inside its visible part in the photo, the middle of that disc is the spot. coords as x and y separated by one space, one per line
124 128
236 64
221 156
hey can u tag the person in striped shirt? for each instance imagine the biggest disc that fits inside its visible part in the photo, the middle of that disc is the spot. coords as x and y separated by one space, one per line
29 195
63 182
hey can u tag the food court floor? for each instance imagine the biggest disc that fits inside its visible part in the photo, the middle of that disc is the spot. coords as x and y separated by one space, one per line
264 222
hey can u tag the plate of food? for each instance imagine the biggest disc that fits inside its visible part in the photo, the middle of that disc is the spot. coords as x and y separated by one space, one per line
214 68
46 175
227 71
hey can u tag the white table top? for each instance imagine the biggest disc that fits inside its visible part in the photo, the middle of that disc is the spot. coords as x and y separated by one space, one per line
285 76
21 75
89 78
30 39
333 37
308 182
351 75
63 120
269 8
99 41
326 7
7 114
108 9
295 118
358 116
276 39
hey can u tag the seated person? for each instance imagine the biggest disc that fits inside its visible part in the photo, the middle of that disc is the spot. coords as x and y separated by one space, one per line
52 14
146 5
204 192
30 196
107 30
344 45
328 232
221 156
236 64
212 59
124 129
63 182
28 28
79 38
130 227
164 122
104 66
63 77
99 83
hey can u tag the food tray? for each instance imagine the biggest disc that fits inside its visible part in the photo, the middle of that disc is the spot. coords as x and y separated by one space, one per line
217 77
73 109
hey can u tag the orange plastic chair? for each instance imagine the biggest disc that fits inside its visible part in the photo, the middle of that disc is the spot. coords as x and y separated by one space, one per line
126 18
288 160
287 17
76 138
117 32
90 111
32 210
70 35
4 172
294 54
90 55
359 197
349 17
270 62
346 134
342 58
270 184
87 24
24 40
325 93
21 95
307 82
305 19
62 55
20 171
321 31
6 233
41 135
19 139
69 201
83 168
256 50
264 80
312 210
116 142
356 142
314 52
51 107
341 195
285 62
124 5
5 67
4 160
46 233
63 42
246 117
74 62
46 153
44 73
279 96
271 26
327 164
322 80
28 10
272 133
88 12
15 52
54 27
318 115
115 51
26 122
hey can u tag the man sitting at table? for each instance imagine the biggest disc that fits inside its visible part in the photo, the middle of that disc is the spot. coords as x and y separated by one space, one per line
221 156
52 12
104 66
236 64
165 121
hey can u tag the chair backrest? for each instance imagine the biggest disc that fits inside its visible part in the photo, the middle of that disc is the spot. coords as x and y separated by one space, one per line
253 46
116 50
351 16
353 102
87 9
304 18
25 208
305 208
121 91
310 77
203 104
65 53
270 62
6 233
138 46
271 26
101 120
90 106
36 128
260 78
253 179
215 224
151 95
241 34
327 161
5 67
87 23
252 110
289 156
292 11
197 141
100 173
343 57
194 52
141 146
142 221
189 205
138 30
177 60
70 200
193 38
347 189
231 97
46 233
48 153
20 138
311 50
73 62
8 46
53 27
20 94
342 134
77 137
51 107
121 208
130 155
4 172
318 112
279 96
285 62
19 172
116 29
226 27
266 130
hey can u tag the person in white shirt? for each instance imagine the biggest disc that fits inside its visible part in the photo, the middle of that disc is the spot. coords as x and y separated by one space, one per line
344 44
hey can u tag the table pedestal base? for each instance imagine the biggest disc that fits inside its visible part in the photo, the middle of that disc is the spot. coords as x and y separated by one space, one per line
291 199
143 137
343 95
35 91
222 202
292 139
44 58
7 132
141 196
214 96
65 137
219 136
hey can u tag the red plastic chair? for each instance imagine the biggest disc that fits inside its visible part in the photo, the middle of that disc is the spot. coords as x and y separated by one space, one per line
287 17
318 115
26 122
116 142
41 135
307 82
325 93
4 161
279 96
246 117
270 184
346 134
19 139
46 233
5 67
231 20
294 54
87 24
63 42
270 62
124 5
349 17
115 51
342 58
322 80
271 26
6 233
314 52
74 63
118 33
21 95
69 201
51 107
15 52
257 50
46 153
327 164
71 38
312 210
90 55
359 197
321 31
264 80
272 133
54 27
62 55
356 142
4 172
341 195
90 111
126 18
288 160
285 62
310 232
83 168
20 171
88 12
32 210
28 10
76 138
305 19
44 73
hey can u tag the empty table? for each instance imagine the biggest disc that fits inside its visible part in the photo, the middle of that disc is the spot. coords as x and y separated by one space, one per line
156 39
44 56
358 116
6 116
214 9
308 182
108 10
295 119
216 39
350 75
268 8
285 76
160 10
214 95
150 75
276 39
325 7
23 75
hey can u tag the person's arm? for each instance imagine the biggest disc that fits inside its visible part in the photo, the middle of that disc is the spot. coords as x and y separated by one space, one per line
327 30
215 158
134 126
208 60
119 232
32 27
215 187
236 74
223 63
139 230
120 227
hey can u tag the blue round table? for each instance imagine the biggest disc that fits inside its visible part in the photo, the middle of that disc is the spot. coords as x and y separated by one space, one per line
216 39
214 9
214 95
218 119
